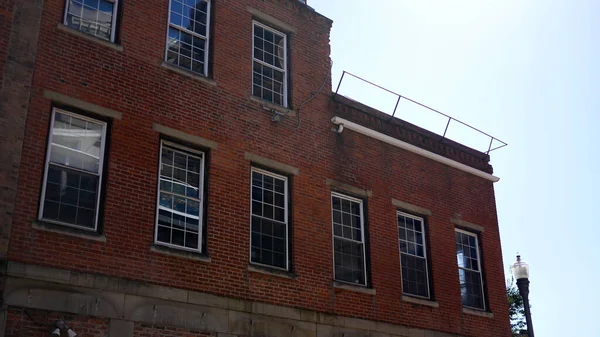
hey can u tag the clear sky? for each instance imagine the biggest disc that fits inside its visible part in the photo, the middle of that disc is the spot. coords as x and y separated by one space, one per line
527 72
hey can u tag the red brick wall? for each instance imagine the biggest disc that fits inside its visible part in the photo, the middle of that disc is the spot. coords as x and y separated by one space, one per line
6 18
134 83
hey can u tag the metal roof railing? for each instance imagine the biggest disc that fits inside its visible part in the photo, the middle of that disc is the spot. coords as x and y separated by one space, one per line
450 118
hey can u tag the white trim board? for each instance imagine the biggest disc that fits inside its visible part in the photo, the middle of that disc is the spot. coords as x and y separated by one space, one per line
411 148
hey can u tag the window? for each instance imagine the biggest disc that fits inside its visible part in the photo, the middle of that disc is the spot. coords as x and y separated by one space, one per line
269 81
348 239
94 17
179 214
73 172
269 227
413 255
469 269
187 37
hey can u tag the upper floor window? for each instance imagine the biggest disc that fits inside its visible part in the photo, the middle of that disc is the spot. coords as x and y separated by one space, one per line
348 239
188 35
94 17
269 223
180 196
469 269
269 80
413 255
73 172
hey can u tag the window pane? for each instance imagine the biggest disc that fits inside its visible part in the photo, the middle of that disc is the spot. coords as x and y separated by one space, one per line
269 223
191 240
336 203
178 237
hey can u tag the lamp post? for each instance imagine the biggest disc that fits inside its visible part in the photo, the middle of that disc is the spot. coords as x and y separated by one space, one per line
520 271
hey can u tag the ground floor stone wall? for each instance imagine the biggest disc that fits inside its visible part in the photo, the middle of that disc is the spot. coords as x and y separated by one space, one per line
98 306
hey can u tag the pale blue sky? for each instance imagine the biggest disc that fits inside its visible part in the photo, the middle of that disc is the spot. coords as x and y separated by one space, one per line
527 72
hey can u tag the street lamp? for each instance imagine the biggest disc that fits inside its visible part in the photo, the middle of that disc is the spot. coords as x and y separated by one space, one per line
520 271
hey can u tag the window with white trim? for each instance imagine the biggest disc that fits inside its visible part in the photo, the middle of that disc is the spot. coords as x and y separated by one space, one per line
269 80
413 255
269 223
73 171
94 17
188 35
469 269
180 197
348 239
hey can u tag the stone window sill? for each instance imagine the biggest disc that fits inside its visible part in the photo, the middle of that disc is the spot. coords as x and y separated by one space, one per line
421 301
272 272
69 231
189 74
179 253
358 289
478 313
90 38
271 106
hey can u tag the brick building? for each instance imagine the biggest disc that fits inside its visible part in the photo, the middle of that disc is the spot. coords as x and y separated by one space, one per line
177 168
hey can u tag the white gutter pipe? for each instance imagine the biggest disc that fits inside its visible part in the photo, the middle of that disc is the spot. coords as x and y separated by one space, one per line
411 148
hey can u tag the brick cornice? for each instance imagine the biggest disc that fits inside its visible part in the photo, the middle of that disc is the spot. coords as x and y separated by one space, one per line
409 133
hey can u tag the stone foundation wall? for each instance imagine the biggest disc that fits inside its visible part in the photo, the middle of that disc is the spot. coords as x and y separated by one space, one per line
95 305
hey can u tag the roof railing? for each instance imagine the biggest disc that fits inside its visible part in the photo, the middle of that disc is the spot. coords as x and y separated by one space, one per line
450 118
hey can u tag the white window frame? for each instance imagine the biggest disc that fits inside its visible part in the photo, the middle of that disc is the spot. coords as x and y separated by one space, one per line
422 220
362 231
113 23
480 271
205 38
99 174
286 217
285 60
200 193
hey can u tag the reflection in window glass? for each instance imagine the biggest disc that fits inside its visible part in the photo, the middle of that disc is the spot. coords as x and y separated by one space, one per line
187 37
94 17
73 170
411 236
179 219
469 269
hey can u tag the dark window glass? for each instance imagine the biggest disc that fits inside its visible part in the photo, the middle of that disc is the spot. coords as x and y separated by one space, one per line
269 220
412 255
348 241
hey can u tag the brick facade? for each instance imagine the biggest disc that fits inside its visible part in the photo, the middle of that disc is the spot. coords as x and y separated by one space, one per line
144 100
